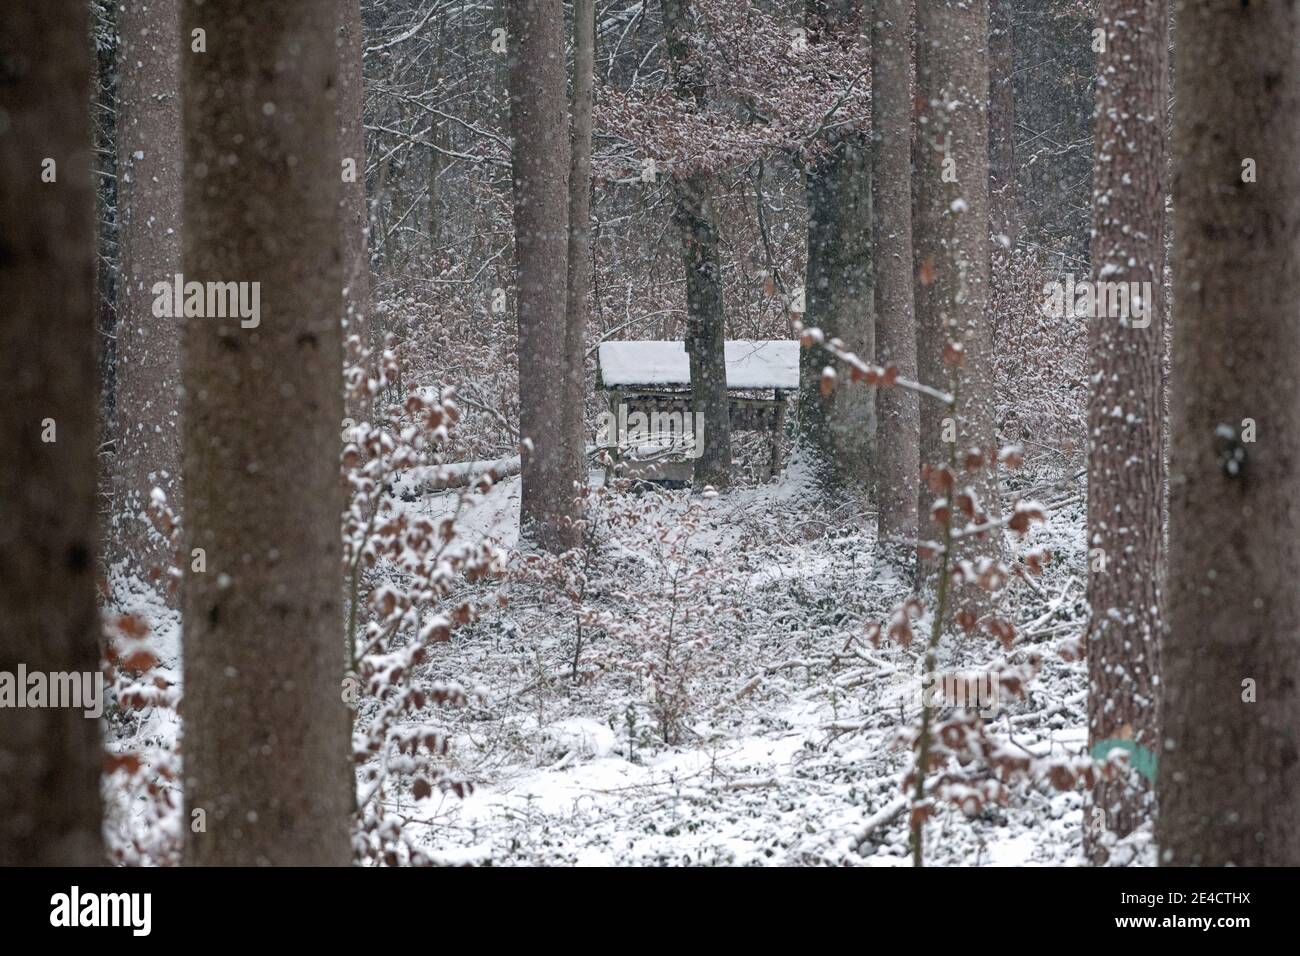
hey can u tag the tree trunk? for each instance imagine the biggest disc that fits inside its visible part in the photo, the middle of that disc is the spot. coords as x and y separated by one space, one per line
49 756
579 262
1002 125
951 244
540 165
266 730
837 430
1125 460
148 439
1002 155
705 330
352 139
897 410
103 111
702 261
1229 770
437 136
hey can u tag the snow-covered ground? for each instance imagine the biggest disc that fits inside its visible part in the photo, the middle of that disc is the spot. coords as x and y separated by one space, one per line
790 755
787 753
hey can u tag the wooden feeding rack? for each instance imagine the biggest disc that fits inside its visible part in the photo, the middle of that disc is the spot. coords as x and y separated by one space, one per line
653 378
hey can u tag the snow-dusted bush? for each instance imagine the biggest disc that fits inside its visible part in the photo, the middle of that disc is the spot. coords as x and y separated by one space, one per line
402 572
141 781
650 610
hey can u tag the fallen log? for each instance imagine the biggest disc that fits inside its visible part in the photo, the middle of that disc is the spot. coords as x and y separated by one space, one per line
429 479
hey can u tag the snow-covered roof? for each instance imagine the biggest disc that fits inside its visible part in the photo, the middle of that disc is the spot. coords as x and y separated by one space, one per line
773 363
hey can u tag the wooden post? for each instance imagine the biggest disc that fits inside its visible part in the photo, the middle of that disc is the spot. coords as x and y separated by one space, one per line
778 426
615 456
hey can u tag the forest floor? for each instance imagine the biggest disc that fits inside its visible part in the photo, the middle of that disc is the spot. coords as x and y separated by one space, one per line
787 749
783 719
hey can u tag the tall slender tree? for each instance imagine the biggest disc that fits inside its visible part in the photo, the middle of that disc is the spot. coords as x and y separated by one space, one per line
837 429
352 174
580 265
1002 124
148 373
951 239
1125 454
1002 155
897 410
266 730
49 756
701 258
438 76
540 164
1229 764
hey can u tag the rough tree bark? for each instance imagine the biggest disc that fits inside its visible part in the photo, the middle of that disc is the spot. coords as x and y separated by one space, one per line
837 430
540 165
1125 417
951 242
579 262
1229 770
148 377
702 261
897 409
266 730
49 756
